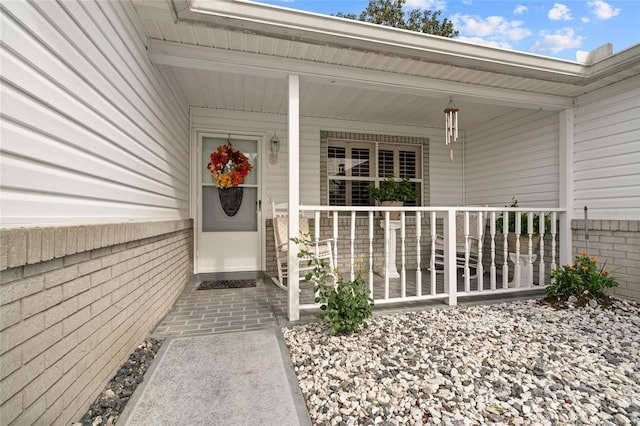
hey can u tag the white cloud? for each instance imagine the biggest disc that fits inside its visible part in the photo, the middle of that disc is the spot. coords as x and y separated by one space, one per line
426 4
520 9
494 29
557 42
602 10
585 19
559 12
485 42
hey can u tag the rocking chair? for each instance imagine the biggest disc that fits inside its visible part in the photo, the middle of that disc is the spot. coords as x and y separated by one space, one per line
474 244
320 250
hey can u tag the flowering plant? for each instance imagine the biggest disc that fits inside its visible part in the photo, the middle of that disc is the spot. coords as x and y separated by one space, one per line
581 277
228 166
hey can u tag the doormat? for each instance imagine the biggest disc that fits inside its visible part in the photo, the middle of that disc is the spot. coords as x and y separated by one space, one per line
214 285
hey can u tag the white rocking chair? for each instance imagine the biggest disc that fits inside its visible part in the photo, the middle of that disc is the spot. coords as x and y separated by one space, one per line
320 250
474 244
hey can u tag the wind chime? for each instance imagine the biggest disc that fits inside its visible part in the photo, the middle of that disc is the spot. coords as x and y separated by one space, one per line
451 125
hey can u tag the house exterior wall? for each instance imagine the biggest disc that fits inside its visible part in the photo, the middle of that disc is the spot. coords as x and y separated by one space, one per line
606 179
96 240
91 130
524 147
75 301
275 179
606 167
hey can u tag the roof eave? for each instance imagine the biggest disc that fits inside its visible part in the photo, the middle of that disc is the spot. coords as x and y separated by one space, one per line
278 22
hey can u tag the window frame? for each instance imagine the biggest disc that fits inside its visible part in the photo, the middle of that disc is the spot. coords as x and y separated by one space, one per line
374 170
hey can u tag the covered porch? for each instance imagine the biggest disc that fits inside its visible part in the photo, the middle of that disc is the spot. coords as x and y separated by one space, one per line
379 95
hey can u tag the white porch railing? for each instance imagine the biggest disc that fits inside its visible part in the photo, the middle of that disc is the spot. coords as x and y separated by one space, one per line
432 252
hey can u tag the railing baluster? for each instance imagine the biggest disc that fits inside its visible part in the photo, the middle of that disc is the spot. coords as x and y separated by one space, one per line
403 273
371 252
335 238
493 250
479 267
553 240
516 267
353 244
316 231
386 254
433 253
418 254
530 251
467 272
542 279
505 249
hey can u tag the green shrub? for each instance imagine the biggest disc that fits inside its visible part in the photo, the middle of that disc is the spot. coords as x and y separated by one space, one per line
524 220
345 305
581 277
392 189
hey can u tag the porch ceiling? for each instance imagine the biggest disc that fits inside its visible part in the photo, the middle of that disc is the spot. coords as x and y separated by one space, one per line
236 64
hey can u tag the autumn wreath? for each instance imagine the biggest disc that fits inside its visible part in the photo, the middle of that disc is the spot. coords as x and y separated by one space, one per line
228 166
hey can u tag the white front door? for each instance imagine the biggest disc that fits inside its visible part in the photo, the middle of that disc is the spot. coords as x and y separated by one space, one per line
226 240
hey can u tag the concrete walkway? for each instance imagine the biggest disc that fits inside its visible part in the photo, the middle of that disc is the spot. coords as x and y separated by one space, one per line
224 363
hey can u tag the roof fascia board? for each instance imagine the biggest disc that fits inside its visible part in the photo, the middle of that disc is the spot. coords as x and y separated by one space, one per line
314 28
206 58
621 61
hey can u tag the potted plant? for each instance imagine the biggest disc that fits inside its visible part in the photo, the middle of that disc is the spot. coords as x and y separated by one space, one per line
393 192
524 230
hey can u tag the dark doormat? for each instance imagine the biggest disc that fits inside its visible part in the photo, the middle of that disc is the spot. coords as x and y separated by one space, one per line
214 285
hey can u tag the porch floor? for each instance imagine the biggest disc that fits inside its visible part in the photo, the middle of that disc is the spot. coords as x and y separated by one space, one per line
200 312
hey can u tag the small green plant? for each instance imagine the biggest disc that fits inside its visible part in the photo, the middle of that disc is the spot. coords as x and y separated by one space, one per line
582 277
524 219
392 189
497 407
345 305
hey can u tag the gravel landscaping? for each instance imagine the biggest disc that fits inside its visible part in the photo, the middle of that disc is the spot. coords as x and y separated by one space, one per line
513 363
108 406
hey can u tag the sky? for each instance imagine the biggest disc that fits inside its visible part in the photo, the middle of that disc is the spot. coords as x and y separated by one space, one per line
558 29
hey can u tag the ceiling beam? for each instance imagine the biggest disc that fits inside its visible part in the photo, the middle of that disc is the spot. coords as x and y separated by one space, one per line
246 63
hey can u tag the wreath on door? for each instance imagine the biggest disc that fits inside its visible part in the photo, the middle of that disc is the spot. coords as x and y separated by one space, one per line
228 166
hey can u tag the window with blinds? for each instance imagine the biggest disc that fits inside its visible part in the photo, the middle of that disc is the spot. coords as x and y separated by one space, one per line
354 165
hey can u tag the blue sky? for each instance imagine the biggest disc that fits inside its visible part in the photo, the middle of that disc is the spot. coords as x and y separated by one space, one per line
550 28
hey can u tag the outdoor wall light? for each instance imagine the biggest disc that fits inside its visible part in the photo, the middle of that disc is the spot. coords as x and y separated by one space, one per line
274 145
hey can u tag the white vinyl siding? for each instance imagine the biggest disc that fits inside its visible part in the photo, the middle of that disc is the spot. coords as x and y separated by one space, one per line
275 179
514 156
445 176
607 152
91 130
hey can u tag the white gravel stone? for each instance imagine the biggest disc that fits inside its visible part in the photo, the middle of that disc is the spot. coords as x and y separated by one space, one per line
515 363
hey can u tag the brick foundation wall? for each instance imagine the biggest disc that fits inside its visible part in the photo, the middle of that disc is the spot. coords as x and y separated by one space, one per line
616 242
74 303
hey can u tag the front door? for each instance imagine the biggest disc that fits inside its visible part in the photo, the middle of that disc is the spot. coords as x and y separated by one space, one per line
228 239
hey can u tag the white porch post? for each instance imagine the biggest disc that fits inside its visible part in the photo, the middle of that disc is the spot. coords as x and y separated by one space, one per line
450 272
565 139
294 197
